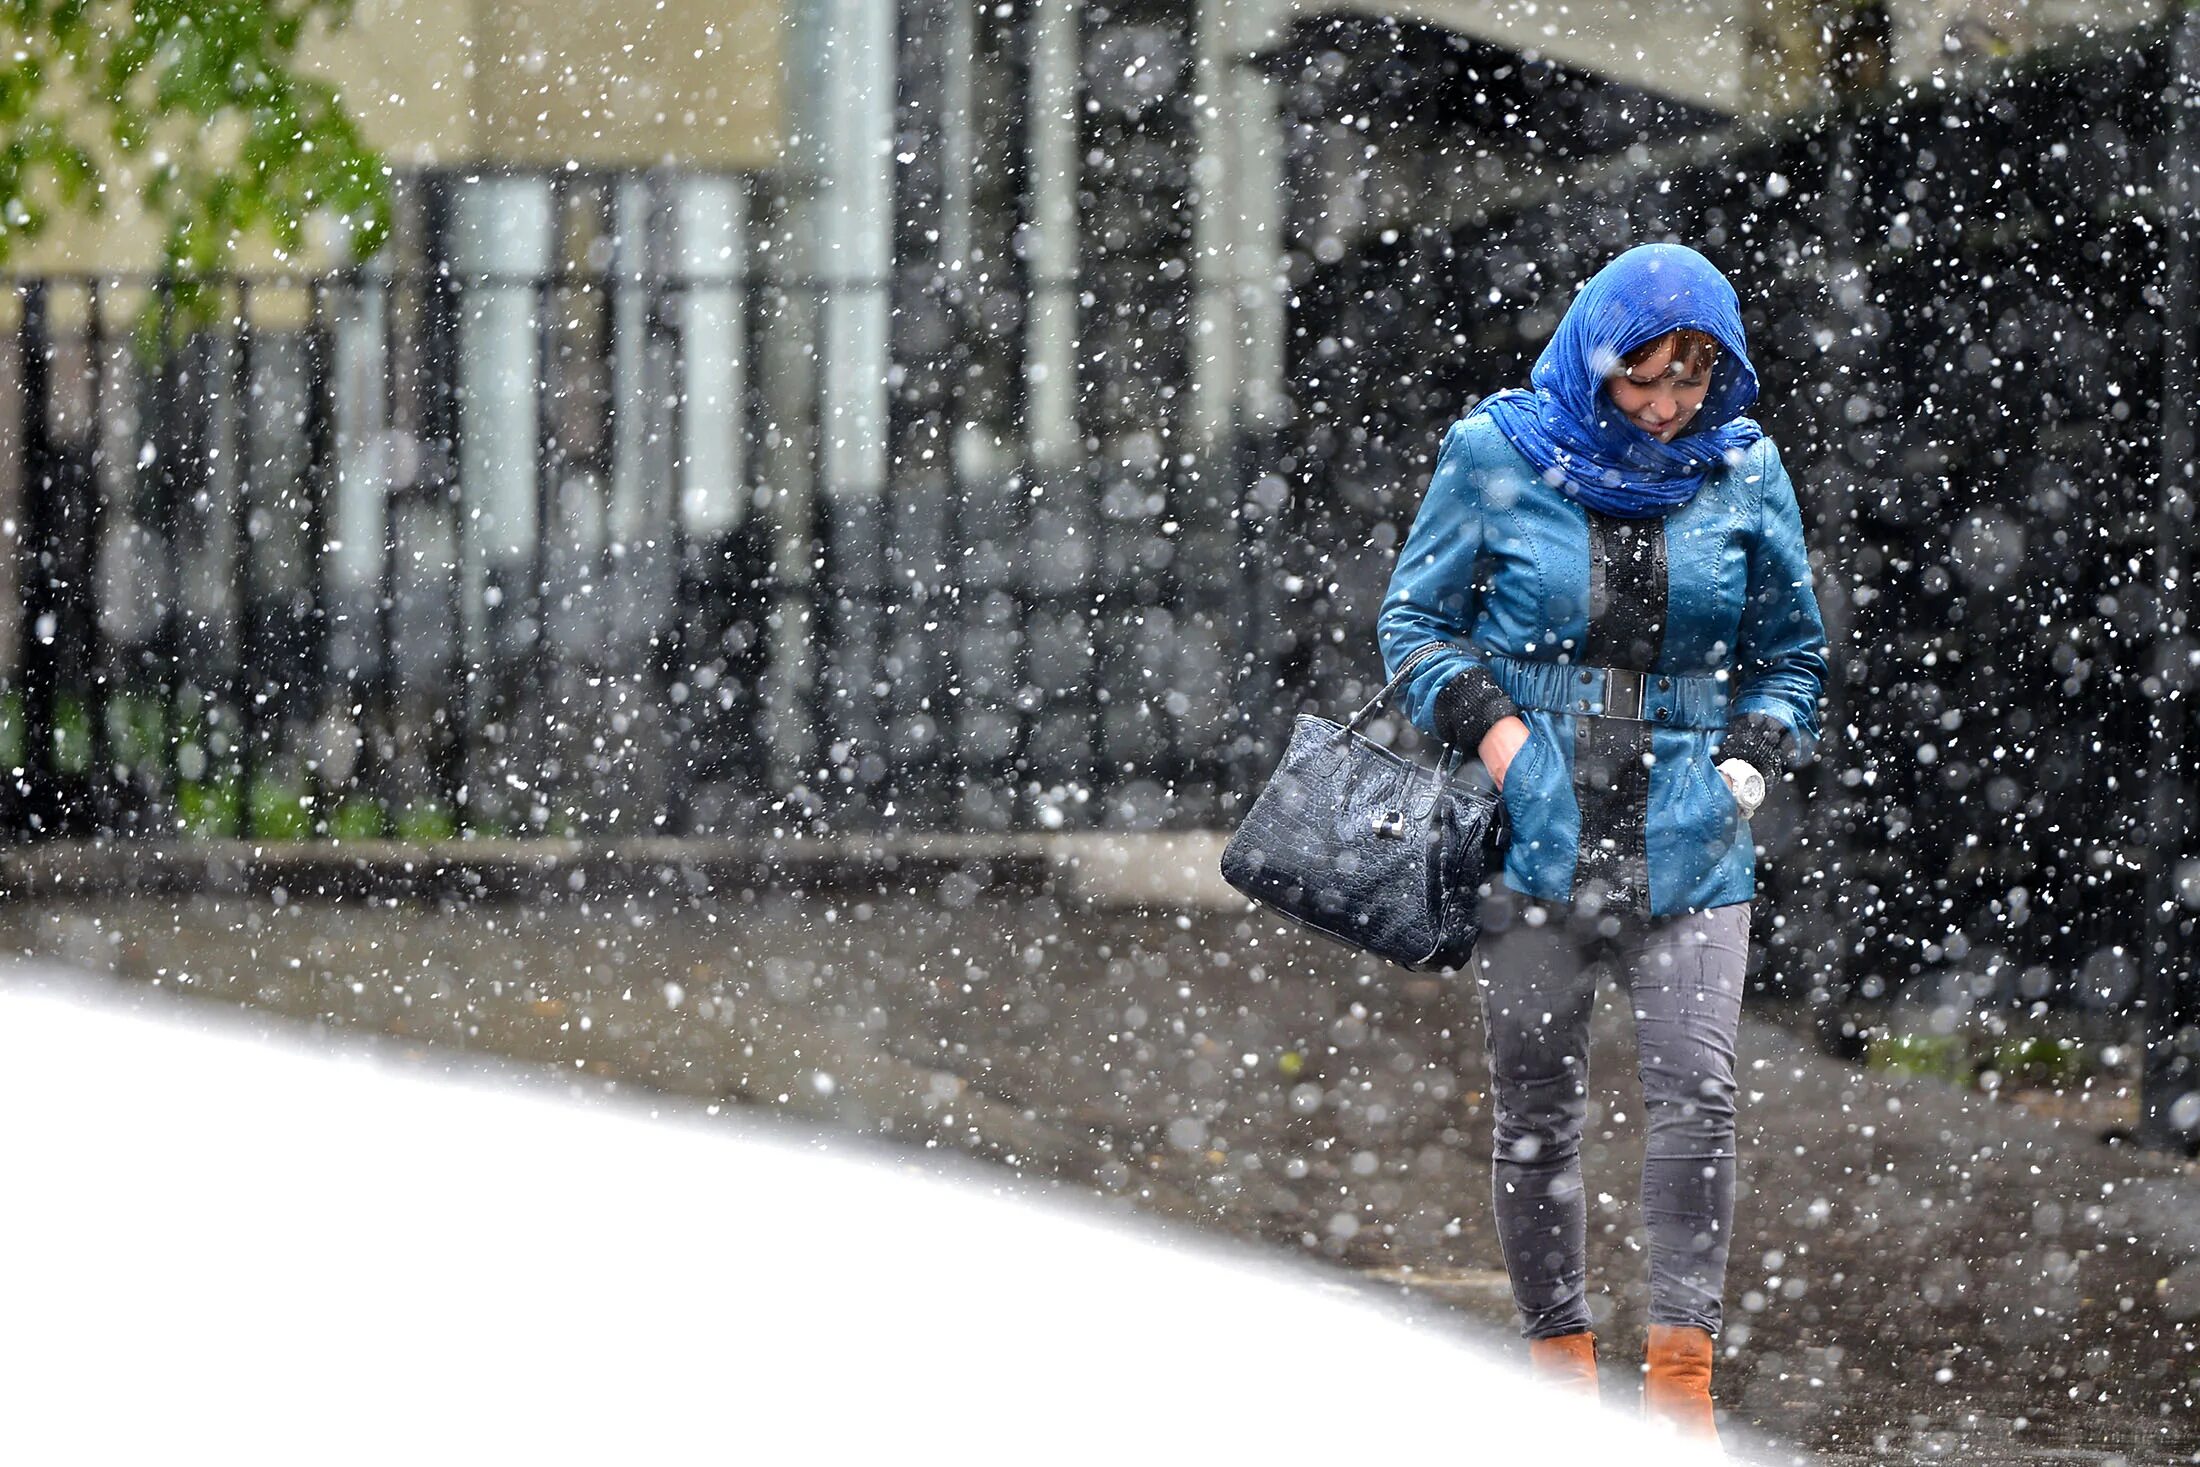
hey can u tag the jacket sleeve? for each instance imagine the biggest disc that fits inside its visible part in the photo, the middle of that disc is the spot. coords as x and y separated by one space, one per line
1453 695
1780 670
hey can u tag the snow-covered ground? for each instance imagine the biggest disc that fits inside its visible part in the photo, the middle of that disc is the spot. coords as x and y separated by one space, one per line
232 1241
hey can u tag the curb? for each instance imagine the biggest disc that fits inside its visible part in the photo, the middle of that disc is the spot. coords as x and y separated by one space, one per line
1114 869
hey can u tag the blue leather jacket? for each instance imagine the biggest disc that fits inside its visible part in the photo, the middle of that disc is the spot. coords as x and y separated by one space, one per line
1712 604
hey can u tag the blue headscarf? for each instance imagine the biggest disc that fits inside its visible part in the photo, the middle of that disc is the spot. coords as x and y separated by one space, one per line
1568 426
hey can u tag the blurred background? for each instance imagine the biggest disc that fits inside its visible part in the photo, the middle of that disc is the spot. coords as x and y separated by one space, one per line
896 467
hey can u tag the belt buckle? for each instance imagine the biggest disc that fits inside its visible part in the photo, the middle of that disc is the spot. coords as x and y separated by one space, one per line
1622 693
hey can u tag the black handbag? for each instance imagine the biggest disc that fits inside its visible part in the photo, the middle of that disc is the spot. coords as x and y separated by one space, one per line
1367 846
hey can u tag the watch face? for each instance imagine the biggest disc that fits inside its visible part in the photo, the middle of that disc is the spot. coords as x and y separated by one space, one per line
1747 784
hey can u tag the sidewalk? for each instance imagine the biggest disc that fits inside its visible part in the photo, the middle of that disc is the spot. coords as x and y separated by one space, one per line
1920 1274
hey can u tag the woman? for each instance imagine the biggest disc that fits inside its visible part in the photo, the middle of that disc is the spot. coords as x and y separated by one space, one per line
1617 558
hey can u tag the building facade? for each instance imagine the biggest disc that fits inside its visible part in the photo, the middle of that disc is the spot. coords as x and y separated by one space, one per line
812 415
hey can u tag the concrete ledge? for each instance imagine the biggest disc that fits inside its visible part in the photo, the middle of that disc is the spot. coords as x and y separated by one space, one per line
1171 871
1177 871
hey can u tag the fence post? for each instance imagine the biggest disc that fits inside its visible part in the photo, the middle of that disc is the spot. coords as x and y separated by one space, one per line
40 484
251 609
2169 1075
334 697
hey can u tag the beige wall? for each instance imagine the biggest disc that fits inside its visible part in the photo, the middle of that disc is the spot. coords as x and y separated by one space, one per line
700 86
606 83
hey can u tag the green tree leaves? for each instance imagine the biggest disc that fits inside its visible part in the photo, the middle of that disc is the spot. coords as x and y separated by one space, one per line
199 108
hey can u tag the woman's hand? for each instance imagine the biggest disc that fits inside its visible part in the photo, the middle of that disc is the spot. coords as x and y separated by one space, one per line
1500 744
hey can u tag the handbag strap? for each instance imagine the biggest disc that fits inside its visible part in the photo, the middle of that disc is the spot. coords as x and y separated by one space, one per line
1444 771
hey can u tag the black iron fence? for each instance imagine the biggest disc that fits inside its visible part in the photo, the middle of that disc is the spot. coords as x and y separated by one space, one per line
429 554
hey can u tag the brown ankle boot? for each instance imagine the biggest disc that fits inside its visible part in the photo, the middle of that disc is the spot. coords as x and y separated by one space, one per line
1677 1390
1568 1361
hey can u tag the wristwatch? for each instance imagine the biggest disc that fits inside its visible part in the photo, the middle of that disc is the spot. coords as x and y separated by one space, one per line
1746 783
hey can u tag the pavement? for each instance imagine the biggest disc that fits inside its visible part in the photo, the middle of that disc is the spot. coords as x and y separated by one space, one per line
1921 1273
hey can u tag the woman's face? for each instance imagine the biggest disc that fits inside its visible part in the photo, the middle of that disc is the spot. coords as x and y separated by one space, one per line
1658 394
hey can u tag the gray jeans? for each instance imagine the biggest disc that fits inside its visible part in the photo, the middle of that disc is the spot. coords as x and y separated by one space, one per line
1538 980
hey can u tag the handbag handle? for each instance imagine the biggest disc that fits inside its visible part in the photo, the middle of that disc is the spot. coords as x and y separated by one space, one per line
1453 756
1413 660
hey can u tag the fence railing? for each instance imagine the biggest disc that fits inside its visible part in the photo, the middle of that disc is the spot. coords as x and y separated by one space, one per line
423 554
